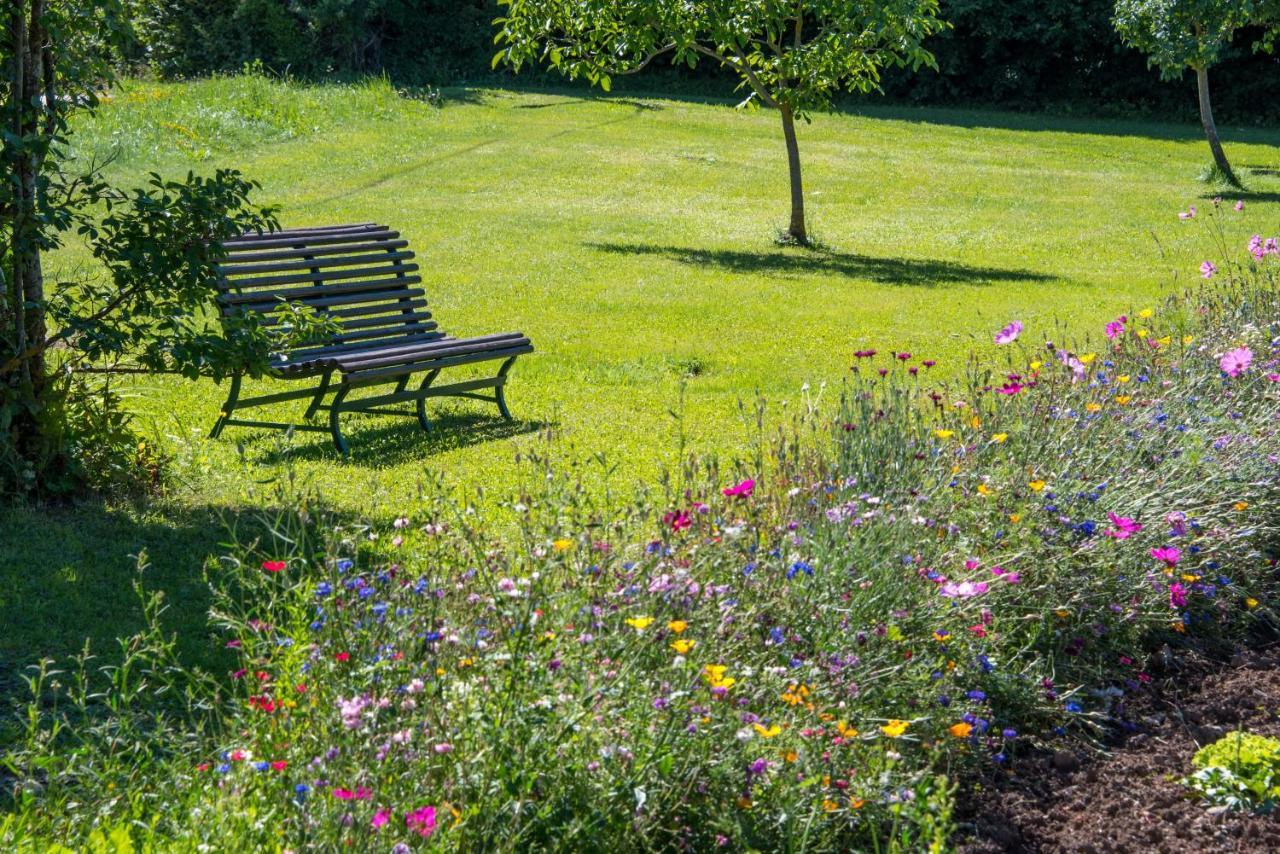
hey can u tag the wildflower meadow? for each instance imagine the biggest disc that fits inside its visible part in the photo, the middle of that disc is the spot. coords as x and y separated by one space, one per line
914 582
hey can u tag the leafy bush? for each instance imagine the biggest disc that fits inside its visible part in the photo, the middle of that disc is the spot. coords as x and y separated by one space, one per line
806 647
1238 771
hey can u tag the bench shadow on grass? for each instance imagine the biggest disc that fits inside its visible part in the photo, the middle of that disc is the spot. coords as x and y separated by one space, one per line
392 442
888 271
67 576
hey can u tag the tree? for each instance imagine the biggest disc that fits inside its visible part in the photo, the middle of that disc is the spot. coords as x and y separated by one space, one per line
1181 34
790 55
157 244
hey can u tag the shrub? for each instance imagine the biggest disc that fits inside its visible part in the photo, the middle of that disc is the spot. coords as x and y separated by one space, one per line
1238 771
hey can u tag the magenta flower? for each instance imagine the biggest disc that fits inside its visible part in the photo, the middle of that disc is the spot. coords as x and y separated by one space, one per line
964 589
361 793
742 490
380 818
1207 269
1168 554
1123 527
422 821
1177 595
1236 362
1116 327
1010 333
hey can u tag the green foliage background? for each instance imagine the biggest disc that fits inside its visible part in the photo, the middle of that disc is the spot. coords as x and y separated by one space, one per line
1063 54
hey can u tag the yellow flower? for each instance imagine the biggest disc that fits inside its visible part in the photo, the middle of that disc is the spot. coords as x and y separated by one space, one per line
975 422
983 489
1087 358
713 675
794 695
856 803
1123 378
1092 407
1190 579
1036 485
639 623
562 545
1241 506
1015 518
1062 613
830 805
683 646
895 728
1187 339
1000 438
944 434
1145 313
1143 333
744 802
677 626
1037 365
845 730
1251 603
1179 626
790 756
961 730
767 732
1165 341
1122 399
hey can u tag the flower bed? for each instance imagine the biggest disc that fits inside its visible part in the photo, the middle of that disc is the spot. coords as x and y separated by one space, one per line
809 647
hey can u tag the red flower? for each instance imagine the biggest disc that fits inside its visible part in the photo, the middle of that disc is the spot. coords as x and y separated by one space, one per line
342 656
273 565
279 765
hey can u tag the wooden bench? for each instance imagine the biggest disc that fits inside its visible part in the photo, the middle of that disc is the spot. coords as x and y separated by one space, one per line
363 278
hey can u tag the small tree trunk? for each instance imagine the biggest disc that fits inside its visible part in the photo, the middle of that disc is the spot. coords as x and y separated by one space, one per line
1211 129
796 231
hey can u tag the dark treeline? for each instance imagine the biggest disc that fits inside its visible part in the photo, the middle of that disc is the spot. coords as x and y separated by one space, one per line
1062 55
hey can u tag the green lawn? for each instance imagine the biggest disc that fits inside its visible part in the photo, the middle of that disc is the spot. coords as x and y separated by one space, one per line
631 238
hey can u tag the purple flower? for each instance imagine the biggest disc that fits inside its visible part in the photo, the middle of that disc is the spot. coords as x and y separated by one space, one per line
1010 333
1236 362
1207 269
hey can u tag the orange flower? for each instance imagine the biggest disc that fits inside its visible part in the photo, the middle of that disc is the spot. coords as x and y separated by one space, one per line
961 730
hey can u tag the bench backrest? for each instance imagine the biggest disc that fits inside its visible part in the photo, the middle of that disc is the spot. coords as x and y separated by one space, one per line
362 276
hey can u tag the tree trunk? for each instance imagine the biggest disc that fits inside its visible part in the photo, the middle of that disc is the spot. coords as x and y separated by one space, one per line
1211 130
796 232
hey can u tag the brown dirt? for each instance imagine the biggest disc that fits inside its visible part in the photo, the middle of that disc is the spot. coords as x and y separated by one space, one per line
1130 799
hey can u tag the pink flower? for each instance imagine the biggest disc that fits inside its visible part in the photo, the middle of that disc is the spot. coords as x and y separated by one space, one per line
742 490
1124 527
443 747
1255 247
1010 389
1010 333
677 519
1189 213
1207 269
1168 554
362 793
273 565
964 589
1236 362
380 818
1177 595
1275 378
422 820
1116 327
1239 205
1076 366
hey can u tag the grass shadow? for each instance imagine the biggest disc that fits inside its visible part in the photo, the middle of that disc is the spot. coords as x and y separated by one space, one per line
890 271
67 576
1230 195
399 441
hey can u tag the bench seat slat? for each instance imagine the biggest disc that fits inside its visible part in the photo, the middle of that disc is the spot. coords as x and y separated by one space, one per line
395 268
386 288
274 241
247 257
313 264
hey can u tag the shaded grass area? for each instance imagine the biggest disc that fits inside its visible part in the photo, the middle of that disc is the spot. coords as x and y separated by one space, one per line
631 238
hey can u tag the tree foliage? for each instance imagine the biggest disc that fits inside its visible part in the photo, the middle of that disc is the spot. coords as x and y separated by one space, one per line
1180 34
795 53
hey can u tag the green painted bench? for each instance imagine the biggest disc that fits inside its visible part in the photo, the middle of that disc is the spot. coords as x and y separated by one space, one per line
364 279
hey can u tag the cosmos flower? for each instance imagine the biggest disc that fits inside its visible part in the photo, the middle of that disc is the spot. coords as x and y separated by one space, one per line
1010 333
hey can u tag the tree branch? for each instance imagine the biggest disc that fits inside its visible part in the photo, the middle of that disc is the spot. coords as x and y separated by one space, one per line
740 65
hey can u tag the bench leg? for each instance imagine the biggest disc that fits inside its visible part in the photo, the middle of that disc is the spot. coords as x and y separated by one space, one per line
227 408
319 398
500 390
422 401
335 409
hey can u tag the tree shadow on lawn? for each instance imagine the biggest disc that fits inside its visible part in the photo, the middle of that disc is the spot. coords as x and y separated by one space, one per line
399 441
1257 196
67 576
890 271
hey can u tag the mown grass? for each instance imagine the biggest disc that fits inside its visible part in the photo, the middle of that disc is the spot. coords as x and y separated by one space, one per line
631 238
